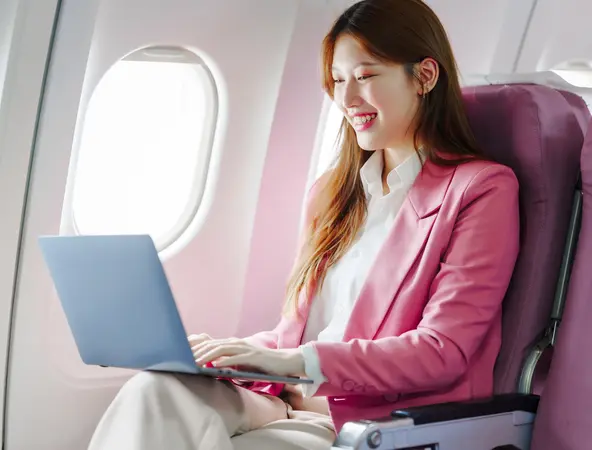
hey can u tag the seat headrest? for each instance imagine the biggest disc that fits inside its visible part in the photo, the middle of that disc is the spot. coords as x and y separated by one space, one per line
538 132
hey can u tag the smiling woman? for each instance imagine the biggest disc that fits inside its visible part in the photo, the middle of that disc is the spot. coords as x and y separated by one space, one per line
417 102
399 280
362 88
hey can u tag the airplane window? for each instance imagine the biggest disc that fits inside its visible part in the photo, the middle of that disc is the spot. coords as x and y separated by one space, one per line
329 143
145 146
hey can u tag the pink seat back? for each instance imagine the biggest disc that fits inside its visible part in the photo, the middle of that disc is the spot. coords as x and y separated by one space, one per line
564 419
538 132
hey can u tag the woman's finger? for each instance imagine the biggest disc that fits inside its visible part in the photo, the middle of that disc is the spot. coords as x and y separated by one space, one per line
195 339
219 351
205 346
202 351
244 359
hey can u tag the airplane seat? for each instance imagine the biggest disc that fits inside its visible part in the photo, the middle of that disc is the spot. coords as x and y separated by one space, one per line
538 131
564 417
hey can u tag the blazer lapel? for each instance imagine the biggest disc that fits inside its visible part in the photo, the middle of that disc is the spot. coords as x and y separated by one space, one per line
404 244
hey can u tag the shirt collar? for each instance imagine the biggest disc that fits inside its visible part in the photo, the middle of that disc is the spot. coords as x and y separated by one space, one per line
402 176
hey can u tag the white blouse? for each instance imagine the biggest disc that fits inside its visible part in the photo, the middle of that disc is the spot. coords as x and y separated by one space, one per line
333 304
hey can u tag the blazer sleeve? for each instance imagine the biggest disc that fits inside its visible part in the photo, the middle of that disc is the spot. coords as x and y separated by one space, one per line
269 339
465 298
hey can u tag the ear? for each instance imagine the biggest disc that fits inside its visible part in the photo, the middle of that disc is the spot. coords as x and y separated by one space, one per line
427 72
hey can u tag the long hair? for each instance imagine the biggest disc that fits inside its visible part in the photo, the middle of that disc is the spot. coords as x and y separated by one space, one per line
394 31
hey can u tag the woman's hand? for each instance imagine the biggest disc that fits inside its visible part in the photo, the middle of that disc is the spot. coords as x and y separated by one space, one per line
195 339
293 395
237 352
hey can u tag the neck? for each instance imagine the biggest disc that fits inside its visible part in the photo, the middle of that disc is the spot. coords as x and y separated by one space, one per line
395 156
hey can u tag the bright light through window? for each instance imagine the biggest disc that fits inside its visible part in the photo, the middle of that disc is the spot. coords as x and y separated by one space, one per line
143 142
578 78
329 144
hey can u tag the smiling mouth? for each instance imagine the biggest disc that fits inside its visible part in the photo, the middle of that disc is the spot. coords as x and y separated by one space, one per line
361 123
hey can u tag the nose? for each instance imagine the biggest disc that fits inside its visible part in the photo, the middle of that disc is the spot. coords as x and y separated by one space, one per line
350 96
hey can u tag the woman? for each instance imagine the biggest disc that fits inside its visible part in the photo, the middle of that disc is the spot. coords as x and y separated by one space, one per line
395 298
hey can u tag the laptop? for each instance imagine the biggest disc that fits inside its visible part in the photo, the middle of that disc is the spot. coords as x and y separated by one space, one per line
120 308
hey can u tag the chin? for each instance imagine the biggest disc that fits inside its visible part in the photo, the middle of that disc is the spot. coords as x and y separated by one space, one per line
369 143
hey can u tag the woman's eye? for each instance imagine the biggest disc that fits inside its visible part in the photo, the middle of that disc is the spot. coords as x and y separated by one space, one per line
361 78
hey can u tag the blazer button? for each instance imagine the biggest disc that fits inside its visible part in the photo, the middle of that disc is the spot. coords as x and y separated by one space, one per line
348 385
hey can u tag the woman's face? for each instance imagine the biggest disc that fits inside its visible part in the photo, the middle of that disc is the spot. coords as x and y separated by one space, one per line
379 99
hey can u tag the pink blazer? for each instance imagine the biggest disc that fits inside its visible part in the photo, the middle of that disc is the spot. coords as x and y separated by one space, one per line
427 325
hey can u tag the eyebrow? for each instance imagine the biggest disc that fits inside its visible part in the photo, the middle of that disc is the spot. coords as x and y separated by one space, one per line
362 64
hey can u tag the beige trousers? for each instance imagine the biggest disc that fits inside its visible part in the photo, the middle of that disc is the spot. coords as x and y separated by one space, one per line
157 411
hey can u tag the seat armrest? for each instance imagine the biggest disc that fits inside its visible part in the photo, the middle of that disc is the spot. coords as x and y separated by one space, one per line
445 412
503 421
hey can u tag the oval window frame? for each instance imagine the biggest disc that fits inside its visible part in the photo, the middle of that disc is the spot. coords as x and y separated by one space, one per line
204 144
